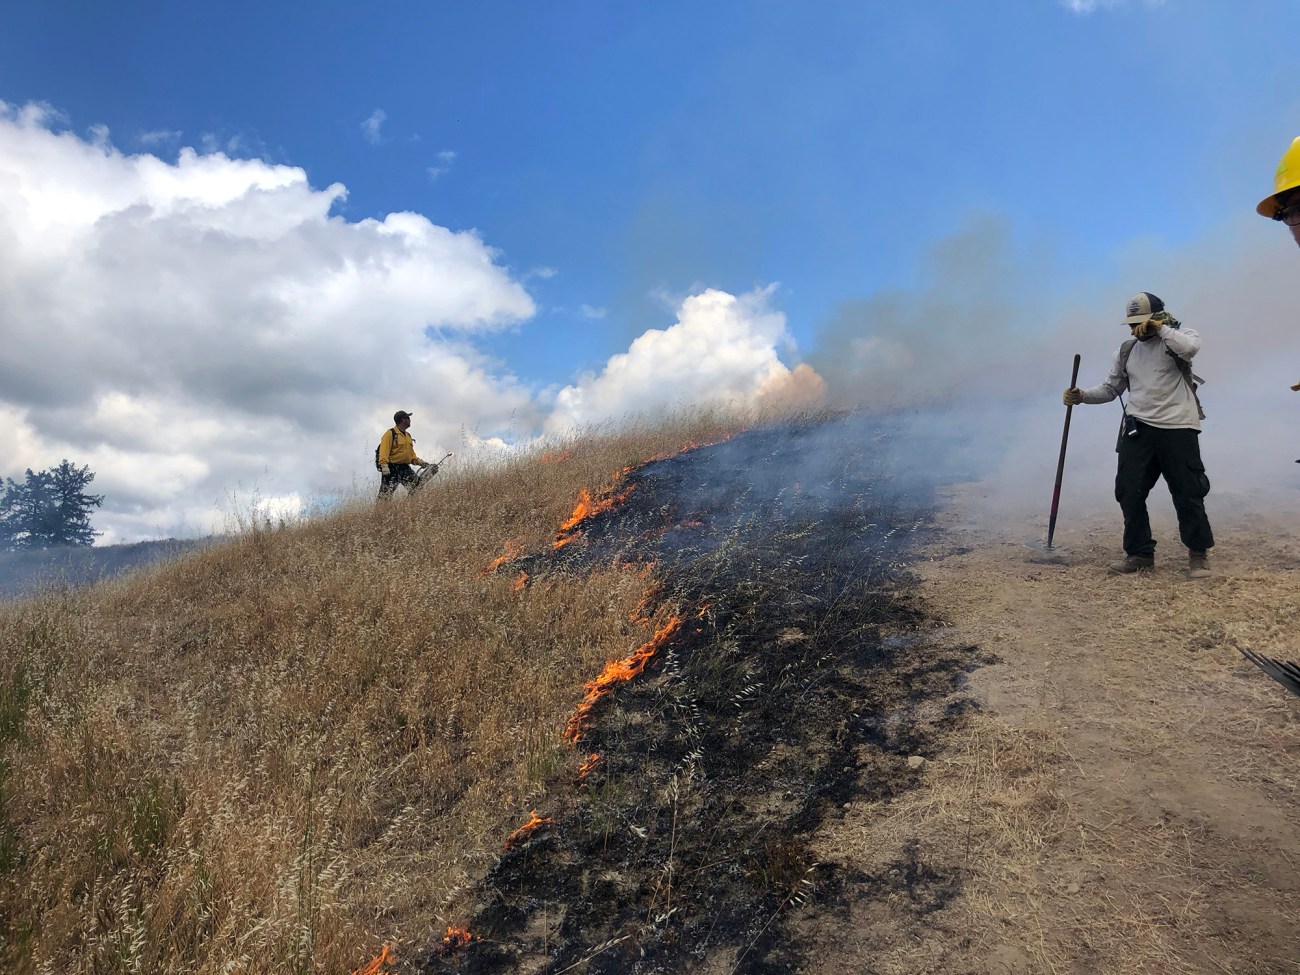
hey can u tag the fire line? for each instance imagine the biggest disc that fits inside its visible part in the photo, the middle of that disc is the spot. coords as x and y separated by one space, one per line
512 549
523 832
617 672
457 938
588 507
376 965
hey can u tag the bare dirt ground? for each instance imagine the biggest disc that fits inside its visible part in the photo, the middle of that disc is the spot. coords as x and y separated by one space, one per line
1123 799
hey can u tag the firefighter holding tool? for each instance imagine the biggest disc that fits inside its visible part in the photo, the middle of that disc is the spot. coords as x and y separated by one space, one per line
1160 433
396 456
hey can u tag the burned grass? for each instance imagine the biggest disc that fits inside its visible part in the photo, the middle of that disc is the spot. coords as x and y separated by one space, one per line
308 742
784 688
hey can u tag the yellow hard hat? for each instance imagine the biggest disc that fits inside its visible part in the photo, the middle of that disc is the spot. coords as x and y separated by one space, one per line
1287 178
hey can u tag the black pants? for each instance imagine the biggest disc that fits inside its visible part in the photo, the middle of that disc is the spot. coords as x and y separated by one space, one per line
1175 454
400 474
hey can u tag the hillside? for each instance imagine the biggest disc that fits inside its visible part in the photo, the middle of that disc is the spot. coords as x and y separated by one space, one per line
25 572
680 699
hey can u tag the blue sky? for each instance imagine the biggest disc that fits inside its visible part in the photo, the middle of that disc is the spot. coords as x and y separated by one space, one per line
615 160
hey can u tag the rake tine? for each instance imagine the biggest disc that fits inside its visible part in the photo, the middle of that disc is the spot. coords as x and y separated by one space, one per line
1285 672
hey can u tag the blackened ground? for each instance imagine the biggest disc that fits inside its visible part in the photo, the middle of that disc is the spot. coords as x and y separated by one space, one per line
785 693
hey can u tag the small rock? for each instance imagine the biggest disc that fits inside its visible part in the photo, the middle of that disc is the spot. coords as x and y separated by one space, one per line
915 761
848 805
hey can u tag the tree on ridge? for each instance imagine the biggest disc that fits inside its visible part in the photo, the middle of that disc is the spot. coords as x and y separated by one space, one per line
48 508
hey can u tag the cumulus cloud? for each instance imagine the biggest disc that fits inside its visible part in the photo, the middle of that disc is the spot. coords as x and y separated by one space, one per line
210 336
371 128
193 326
721 350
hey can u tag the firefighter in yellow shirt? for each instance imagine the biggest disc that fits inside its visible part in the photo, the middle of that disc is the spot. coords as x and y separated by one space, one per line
397 455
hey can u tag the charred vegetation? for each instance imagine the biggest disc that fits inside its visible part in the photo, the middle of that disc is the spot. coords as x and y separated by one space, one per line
787 661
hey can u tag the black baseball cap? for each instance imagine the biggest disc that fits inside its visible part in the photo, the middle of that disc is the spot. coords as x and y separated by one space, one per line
401 415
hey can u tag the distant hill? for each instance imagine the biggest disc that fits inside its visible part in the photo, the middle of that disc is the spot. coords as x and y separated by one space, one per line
25 572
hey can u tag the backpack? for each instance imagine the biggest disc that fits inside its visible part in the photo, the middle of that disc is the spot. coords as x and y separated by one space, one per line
393 431
1184 367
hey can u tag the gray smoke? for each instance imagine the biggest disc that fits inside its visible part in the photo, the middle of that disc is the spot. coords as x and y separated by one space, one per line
983 347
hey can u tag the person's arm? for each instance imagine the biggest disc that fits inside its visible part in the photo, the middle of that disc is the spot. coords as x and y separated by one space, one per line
385 448
1112 386
1182 342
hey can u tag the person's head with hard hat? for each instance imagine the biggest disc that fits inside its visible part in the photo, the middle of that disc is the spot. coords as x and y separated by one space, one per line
1284 203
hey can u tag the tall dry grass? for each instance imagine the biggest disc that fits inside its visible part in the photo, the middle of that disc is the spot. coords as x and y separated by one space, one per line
273 755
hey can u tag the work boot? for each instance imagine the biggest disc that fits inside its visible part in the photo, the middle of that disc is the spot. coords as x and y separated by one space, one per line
1198 565
1132 563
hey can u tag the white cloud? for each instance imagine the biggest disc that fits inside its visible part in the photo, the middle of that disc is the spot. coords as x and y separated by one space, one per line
721 350
186 327
371 127
587 311
211 338
159 137
443 166
1090 6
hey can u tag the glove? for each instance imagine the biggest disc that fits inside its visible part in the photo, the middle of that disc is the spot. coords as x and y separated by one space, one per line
1146 329
1072 396
383 469
422 464
1296 387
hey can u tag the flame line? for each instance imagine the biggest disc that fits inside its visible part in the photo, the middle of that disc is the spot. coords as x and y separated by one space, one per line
375 965
617 672
523 832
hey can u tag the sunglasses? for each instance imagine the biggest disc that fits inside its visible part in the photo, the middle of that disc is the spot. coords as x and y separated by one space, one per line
1289 214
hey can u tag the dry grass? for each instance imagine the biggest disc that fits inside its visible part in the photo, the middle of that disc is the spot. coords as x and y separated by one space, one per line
1126 802
272 756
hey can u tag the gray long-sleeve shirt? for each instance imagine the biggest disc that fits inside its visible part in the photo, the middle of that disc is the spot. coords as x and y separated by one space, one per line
1158 395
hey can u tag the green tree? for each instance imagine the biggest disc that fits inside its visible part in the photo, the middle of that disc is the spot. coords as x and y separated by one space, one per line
49 508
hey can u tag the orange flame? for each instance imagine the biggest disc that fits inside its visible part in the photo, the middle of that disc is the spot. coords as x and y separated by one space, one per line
589 507
526 830
513 548
554 457
521 582
585 769
457 938
617 672
376 965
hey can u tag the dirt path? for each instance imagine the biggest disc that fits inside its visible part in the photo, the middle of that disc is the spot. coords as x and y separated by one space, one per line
1125 798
